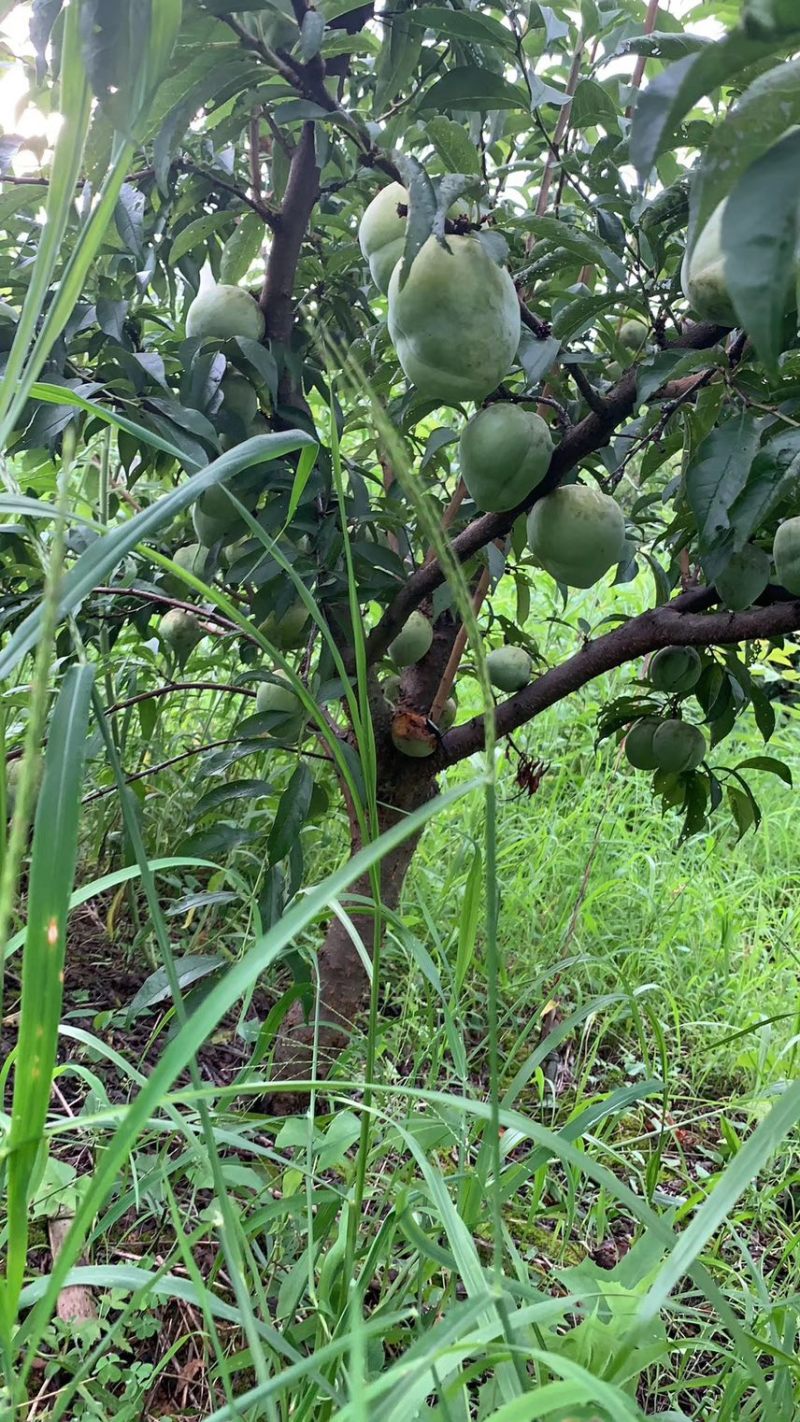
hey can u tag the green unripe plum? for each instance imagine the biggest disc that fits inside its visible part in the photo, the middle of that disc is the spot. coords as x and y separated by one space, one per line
412 642
216 504
320 801
287 630
210 530
639 744
415 747
613 370
675 669
239 398
577 534
509 668
192 558
13 778
279 699
504 453
678 747
703 274
633 334
455 322
449 713
382 234
786 552
223 312
390 686
181 631
744 579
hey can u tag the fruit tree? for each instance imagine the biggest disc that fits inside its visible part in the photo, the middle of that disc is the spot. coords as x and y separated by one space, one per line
342 338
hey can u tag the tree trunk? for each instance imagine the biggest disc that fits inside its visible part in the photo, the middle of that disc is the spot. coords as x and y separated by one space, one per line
343 981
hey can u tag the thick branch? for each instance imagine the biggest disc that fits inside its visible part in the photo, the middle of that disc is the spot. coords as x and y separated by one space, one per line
681 623
302 190
583 439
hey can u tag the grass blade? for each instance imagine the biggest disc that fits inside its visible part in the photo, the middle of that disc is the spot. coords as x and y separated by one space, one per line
55 844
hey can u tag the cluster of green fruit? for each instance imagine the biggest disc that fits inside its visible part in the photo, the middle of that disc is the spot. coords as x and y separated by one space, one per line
668 743
509 669
454 322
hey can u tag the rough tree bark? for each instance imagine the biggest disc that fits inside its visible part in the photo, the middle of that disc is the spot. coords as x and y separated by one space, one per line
405 784
343 984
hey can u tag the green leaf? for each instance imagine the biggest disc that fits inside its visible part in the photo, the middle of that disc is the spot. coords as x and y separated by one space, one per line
469 919
454 145
291 814
536 356
771 478
468 25
759 254
471 88
669 97
397 60
717 474
768 763
241 249
106 552
670 365
421 211
197 232
55 848
760 117
590 249
311 32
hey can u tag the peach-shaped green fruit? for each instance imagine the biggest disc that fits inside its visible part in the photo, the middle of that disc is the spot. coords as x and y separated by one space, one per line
415 747
639 744
786 552
675 669
577 534
390 686
212 527
678 747
412 642
180 630
509 668
238 397
382 233
745 578
455 322
224 312
278 698
504 453
449 713
288 629
192 558
633 334
703 274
